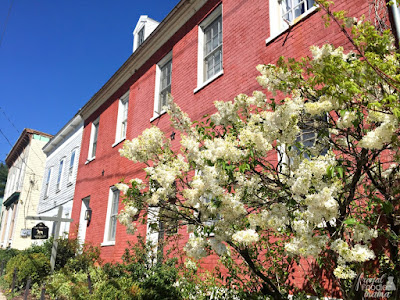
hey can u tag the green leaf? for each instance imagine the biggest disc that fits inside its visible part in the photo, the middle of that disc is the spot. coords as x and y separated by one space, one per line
350 221
340 171
387 207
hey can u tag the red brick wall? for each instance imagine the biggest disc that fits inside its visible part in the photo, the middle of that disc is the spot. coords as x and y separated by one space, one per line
245 29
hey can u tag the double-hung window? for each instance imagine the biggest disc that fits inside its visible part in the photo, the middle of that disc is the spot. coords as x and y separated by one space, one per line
93 139
165 83
71 166
111 219
162 84
292 9
213 48
210 48
60 172
47 186
283 13
122 120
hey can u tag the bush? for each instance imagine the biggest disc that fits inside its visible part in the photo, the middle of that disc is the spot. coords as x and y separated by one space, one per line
67 286
122 288
7 254
35 265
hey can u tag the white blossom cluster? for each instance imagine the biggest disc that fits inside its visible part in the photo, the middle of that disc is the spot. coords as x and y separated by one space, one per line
145 147
377 138
239 206
246 237
347 254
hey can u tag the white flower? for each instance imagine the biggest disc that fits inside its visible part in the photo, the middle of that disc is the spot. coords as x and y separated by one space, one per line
362 233
195 247
122 187
190 264
344 272
246 237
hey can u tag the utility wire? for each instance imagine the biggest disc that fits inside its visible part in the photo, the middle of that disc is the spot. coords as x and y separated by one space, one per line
12 124
16 129
22 159
5 137
6 22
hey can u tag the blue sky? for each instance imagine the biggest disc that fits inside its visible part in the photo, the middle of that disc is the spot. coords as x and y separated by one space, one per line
56 54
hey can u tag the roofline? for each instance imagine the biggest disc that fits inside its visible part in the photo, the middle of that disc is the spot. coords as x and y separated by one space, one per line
178 16
63 132
15 150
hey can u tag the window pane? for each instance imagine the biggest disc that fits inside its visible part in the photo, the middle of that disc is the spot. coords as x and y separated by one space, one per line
113 216
59 174
71 162
299 10
166 73
141 36
213 35
95 133
113 228
292 9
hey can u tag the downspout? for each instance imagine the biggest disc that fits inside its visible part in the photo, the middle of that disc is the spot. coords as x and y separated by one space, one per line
396 21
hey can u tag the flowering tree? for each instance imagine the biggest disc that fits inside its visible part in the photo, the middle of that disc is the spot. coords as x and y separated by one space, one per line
309 182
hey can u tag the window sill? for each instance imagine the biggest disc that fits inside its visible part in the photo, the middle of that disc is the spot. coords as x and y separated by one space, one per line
69 183
295 21
205 83
108 243
88 160
57 191
158 115
118 142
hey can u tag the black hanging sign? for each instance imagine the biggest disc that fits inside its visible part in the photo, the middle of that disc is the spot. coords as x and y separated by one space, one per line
40 232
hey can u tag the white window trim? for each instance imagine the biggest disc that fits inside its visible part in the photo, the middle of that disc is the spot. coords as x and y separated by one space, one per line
106 241
276 23
60 175
118 137
200 51
90 156
71 177
156 112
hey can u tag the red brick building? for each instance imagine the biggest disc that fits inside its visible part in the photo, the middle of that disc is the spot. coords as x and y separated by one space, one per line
201 52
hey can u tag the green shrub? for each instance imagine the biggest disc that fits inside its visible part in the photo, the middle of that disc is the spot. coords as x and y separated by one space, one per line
68 286
82 261
122 288
7 254
35 265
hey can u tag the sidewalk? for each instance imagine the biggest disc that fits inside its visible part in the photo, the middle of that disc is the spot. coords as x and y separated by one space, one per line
2 297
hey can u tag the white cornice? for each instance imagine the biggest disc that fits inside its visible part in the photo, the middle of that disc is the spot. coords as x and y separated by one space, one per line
67 129
182 12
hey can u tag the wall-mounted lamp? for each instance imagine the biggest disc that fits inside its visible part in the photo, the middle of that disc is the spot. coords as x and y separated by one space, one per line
88 214
172 136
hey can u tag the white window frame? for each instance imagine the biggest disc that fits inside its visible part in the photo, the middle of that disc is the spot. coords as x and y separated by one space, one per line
94 136
48 180
202 81
61 166
158 111
276 22
122 119
71 167
111 216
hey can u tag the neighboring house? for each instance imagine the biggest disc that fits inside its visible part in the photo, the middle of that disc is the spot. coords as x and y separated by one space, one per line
201 52
25 162
58 186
